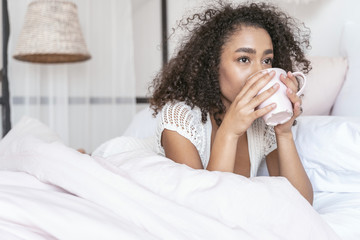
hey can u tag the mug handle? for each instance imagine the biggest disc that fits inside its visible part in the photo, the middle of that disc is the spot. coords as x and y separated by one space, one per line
302 83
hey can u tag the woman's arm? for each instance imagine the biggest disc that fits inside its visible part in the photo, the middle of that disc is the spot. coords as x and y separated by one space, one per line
238 118
223 151
285 162
180 149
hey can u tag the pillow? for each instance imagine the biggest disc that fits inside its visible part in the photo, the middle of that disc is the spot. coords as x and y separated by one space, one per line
28 126
329 147
143 125
125 144
324 82
349 94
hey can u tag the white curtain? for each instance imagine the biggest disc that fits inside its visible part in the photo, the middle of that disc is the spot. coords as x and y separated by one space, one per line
86 103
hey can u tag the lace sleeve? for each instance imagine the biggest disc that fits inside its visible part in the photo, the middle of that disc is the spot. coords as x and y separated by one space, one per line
181 118
270 140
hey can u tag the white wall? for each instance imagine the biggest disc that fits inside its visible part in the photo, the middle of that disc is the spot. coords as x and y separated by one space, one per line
147 39
325 18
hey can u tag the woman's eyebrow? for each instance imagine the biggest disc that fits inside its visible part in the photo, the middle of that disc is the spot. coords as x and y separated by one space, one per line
268 51
253 51
247 50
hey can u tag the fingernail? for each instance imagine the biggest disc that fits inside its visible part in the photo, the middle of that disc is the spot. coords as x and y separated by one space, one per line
276 86
290 91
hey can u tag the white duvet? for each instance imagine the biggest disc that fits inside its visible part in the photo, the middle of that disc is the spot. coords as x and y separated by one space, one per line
50 191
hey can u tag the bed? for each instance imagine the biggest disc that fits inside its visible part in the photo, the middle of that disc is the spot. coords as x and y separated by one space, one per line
123 190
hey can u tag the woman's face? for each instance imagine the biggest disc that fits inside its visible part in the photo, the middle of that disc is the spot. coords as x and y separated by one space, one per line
247 51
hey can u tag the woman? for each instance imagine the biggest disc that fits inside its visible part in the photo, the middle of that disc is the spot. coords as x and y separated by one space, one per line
207 94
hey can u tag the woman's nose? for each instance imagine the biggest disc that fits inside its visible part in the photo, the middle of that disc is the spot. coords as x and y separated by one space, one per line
257 68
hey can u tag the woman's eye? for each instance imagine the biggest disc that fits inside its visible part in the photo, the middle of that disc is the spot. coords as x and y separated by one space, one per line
243 59
268 61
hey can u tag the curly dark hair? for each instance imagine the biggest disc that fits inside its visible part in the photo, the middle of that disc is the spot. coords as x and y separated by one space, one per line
192 75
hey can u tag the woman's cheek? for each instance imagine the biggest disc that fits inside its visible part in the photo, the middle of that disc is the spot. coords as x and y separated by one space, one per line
230 91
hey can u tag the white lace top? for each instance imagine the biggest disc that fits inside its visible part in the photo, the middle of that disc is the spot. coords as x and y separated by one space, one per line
187 122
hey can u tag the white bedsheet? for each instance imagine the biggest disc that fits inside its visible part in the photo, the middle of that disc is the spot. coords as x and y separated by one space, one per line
341 210
29 210
139 195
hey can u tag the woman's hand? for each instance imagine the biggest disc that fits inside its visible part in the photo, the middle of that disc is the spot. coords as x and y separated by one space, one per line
239 116
292 87
242 113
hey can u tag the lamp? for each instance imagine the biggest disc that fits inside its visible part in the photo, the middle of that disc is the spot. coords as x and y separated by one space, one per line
51 34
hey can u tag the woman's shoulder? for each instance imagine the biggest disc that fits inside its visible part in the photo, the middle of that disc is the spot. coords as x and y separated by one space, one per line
178 105
182 118
176 112
186 121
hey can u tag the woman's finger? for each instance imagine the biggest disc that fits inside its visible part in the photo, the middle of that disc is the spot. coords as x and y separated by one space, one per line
255 77
290 81
251 80
263 111
258 77
297 109
256 101
253 88
293 96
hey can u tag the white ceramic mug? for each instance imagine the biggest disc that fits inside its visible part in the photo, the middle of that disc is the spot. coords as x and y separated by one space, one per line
284 109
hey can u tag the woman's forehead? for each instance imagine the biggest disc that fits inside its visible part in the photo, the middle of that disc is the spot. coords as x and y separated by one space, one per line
249 37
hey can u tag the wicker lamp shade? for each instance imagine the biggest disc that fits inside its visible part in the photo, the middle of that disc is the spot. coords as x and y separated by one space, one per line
51 34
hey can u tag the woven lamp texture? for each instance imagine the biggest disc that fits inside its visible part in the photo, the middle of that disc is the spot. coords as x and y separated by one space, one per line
51 34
